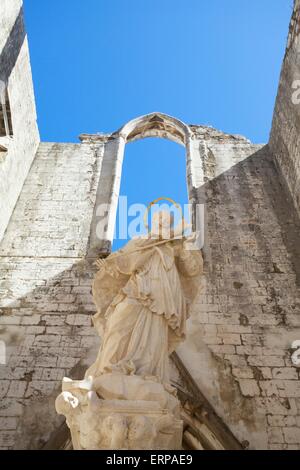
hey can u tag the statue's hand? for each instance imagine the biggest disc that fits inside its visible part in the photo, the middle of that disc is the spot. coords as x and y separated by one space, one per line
100 263
104 266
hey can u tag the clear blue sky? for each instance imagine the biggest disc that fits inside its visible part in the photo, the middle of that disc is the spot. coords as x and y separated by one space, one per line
99 63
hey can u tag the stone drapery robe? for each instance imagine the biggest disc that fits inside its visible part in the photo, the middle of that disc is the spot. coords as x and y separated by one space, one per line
143 302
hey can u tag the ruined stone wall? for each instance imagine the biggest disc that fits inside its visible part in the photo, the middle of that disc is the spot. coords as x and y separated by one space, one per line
240 332
242 326
285 133
45 290
15 72
246 316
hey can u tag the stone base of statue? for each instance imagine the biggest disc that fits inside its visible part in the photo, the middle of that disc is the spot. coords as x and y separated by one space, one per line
115 411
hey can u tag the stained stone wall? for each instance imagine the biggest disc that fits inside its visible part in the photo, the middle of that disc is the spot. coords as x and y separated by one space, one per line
285 133
240 332
244 319
15 72
45 290
243 324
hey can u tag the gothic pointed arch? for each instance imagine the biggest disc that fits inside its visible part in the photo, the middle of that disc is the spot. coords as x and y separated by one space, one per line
155 124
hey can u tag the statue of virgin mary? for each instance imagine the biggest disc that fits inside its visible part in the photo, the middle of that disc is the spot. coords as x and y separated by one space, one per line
143 294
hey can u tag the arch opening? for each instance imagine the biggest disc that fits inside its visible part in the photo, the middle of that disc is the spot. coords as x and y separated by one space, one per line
156 125
151 125
153 168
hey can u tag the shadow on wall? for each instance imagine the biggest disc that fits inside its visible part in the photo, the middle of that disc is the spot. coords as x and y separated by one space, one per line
49 335
247 315
252 205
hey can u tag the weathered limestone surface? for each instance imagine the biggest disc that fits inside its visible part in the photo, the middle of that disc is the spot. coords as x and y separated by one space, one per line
285 133
45 290
240 331
243 323
15 72
240 334
9 12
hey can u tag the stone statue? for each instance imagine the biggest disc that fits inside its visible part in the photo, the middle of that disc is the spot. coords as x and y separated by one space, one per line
143 294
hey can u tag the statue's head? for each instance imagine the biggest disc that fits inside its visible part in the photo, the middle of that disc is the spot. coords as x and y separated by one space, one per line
162 225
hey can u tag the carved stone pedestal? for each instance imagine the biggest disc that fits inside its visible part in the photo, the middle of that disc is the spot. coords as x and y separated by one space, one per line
115 411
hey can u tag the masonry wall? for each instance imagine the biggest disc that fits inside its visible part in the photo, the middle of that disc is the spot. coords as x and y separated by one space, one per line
15 72
243 322
238 345
45 291
285 133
